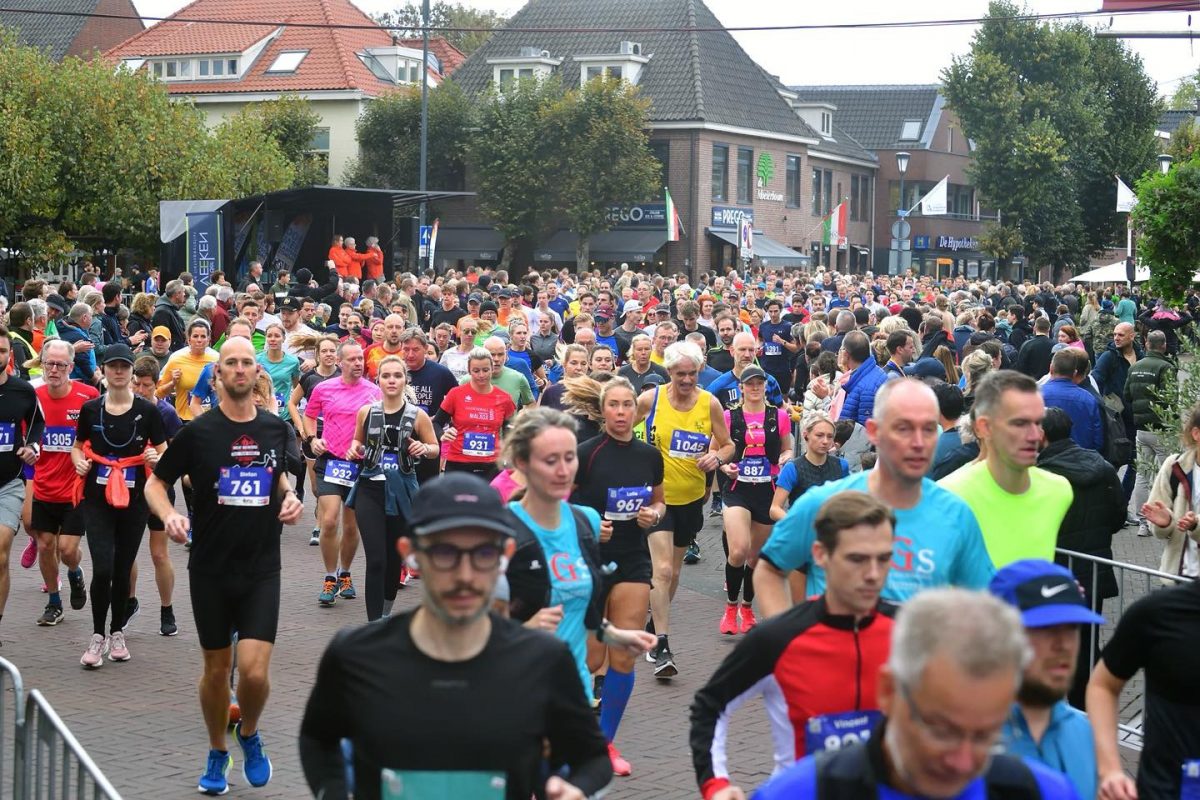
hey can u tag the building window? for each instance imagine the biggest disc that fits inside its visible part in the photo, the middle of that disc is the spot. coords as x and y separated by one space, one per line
864 198
910 131
662 152
614 73
720 172
826 123
745 174
319 147
854 199
828 191
816 193
287 61
793 181
173 69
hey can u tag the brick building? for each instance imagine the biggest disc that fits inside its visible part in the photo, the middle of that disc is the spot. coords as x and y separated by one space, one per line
733 141
71 31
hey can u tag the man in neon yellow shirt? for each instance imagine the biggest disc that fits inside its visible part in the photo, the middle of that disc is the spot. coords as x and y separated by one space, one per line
1019 507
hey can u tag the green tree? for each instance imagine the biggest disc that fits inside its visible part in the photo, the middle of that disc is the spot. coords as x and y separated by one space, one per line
86 151
513 162
602 155
1001 242
1055 113
1185 141
406 23
293 124
1187 96
1168 244
389 140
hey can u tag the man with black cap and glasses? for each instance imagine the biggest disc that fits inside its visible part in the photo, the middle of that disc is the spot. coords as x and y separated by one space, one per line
1043 726
493 688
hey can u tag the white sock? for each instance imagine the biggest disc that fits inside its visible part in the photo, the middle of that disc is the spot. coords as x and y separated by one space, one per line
387 607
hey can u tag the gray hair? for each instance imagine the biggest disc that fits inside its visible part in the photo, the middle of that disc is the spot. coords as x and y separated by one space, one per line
979 632
224 293
677 352
697 338
46 345
207 303
172 287
1156 341
213 291
993 385
79 311
38 308
372 241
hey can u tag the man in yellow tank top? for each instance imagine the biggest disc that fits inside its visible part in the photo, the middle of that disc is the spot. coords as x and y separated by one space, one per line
687 425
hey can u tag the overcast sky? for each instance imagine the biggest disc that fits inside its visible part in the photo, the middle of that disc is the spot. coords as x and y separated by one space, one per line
911 55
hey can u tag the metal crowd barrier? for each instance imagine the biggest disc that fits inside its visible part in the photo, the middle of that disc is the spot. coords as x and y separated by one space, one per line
48 762
1133 581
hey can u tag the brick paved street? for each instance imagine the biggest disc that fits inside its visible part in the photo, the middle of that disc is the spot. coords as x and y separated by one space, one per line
141 723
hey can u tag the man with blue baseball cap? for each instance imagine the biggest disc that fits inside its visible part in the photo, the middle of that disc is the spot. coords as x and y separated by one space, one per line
1043 726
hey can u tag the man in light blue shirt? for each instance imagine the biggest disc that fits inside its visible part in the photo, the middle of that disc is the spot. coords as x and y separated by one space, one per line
938 541
1043 726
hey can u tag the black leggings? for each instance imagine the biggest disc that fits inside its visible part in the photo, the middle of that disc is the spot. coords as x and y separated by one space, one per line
113 536
486 469
379 533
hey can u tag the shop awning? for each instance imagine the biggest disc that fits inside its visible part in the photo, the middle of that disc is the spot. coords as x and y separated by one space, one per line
614 245
469 244
769 251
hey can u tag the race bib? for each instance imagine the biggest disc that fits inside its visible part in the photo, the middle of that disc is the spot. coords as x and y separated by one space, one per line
835 731
58 439
103 473
8 436
687 444
754 469
436 785
341 473
281 401
389 461
479 445
249 486
625 503
772 349
1189 788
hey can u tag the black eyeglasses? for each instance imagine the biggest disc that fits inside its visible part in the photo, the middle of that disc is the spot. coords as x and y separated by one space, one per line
446 556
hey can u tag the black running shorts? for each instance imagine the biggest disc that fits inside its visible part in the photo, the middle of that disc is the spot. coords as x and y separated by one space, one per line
222 604
683 521
58 518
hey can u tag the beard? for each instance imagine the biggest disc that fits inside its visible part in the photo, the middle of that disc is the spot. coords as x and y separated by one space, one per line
1039 695
433 604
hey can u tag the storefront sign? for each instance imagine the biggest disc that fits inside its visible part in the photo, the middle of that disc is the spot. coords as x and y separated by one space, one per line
766 171
920 243
956 244
646 215
731 216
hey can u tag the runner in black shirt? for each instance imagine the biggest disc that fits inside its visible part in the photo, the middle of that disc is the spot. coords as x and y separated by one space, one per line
1159 634
430 382
21 426
117 435
236 457
622 478
481 696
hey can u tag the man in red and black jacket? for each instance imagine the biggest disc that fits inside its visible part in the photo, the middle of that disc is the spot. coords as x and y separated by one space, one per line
815 665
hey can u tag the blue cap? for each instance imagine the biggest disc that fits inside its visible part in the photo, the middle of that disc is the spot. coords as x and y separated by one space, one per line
1045 593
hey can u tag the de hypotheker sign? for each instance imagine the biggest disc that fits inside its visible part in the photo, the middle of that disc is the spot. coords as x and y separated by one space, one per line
646 215
957 243
731 216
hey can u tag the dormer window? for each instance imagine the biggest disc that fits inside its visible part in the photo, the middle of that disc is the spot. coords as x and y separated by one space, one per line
393 64
196 69
910 131
826 123
624 65
531 63
613 72
509 76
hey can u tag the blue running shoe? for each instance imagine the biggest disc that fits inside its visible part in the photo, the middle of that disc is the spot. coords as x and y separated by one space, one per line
255 764
329 592
346 590
214 781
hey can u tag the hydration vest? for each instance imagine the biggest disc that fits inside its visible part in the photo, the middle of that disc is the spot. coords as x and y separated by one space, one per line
374 446
738 429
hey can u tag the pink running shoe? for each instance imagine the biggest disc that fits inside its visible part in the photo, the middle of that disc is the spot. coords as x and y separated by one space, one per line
729 621
620 766
45 590
29 554
746 619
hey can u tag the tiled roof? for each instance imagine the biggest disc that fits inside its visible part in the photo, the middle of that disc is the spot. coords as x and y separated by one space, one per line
48 32
332 62
842 144
1170 120
690 77
450 57
874 114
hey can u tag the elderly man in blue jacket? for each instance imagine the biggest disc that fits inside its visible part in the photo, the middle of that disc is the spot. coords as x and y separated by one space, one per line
1069 369
865 377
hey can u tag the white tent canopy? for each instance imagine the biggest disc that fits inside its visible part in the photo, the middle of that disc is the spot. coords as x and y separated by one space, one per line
1113 273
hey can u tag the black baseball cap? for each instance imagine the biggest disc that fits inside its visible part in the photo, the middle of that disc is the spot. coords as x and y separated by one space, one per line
290 304
118 352
751 372
458 500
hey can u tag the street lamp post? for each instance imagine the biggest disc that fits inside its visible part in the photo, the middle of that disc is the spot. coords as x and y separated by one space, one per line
423 170
901 228
1164 162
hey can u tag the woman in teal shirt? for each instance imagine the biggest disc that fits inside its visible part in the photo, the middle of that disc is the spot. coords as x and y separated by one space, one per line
284 368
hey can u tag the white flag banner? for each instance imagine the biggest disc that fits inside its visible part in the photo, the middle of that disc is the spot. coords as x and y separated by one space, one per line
934 203
1126 199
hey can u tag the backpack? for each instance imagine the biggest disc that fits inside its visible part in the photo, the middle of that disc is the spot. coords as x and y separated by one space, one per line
528 578
1118 449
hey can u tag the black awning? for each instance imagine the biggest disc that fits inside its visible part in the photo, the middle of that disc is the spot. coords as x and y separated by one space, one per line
469 244
627 245
770 252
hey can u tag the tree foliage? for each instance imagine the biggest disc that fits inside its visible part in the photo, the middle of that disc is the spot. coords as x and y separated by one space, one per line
389 138
1187 96
1001 242
292 123
1185 141
1165 215
87 152
1055 112
601 124
406 23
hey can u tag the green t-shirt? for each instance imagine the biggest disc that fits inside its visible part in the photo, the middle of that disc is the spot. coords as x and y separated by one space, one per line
1015 526
514 385
284 374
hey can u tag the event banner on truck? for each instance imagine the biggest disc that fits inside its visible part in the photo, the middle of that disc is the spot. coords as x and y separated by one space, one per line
204 246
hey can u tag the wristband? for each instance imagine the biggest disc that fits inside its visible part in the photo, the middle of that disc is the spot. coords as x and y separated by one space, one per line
604 626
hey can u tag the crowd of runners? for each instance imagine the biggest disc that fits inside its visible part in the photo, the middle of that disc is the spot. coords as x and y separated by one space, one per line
893 459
